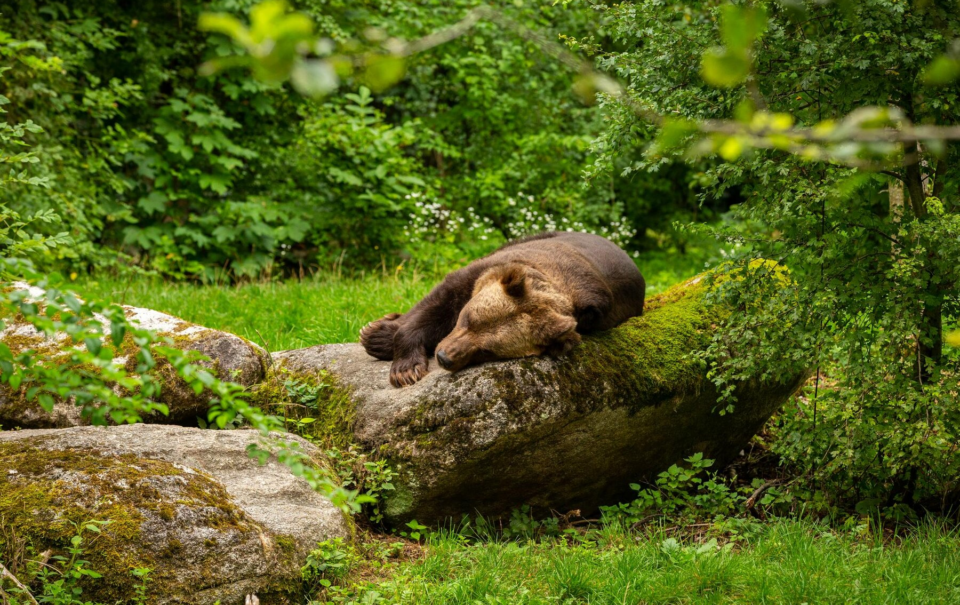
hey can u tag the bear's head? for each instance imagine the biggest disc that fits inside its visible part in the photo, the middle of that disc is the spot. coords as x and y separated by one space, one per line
514 312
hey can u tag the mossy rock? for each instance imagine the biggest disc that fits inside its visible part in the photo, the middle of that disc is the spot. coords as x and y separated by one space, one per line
570 433
232 358
211 523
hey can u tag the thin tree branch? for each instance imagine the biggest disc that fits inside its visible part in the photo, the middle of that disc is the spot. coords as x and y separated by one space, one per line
5 573
907 133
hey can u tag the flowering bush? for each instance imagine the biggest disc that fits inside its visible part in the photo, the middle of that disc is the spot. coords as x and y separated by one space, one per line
440 235
530 219
436 233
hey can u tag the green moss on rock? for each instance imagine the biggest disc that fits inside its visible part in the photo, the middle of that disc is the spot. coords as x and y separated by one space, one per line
45 494
295 395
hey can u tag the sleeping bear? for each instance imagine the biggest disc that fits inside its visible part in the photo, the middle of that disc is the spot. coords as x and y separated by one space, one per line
532 296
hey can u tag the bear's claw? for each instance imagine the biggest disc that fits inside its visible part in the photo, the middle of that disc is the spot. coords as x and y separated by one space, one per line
406 372
377 336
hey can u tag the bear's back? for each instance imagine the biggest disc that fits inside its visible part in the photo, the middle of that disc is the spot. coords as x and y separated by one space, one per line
577 259
571 249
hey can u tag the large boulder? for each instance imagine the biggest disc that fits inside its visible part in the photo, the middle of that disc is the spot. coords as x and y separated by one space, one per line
190 504
563 434
231 358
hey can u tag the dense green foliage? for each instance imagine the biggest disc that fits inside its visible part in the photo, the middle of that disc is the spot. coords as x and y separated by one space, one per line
162 168
61 350
871 256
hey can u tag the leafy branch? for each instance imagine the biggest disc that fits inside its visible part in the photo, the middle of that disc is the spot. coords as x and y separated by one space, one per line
280 46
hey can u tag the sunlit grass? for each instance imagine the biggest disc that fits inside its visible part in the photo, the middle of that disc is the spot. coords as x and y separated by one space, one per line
279 315
785 562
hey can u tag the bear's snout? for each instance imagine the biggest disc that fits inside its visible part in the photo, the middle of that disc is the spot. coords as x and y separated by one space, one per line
456 351
445 362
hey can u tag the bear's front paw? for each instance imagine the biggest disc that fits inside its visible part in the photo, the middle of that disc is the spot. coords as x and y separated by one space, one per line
405 372
377 336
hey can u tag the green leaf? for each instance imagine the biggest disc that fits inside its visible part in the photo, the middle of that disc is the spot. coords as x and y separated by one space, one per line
93 345
944 70
295 26
117 331
725 68
156 201
739 28
147 357
383 71
741 25
731 149
224 24
216 182
46 401
264 15
673 133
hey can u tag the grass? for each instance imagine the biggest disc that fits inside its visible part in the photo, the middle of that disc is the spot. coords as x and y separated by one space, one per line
783 562
279 315
319 309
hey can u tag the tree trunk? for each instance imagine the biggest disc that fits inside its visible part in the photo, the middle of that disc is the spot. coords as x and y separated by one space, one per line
895 190
930 336
914 180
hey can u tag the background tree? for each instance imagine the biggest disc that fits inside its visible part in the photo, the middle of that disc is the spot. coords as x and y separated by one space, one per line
870 283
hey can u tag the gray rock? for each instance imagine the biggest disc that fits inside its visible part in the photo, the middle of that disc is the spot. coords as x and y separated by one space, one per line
563 434
232 357
190 504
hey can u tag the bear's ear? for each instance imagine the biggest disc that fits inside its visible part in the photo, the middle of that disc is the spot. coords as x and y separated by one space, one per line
514 281
565 336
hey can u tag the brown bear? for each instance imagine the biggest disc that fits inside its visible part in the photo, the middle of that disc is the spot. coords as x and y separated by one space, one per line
532 296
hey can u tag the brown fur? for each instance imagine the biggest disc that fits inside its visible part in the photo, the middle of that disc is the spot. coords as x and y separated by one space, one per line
532 296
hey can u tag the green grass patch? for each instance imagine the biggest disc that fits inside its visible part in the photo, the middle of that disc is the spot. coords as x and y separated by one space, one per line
782 562
279 315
